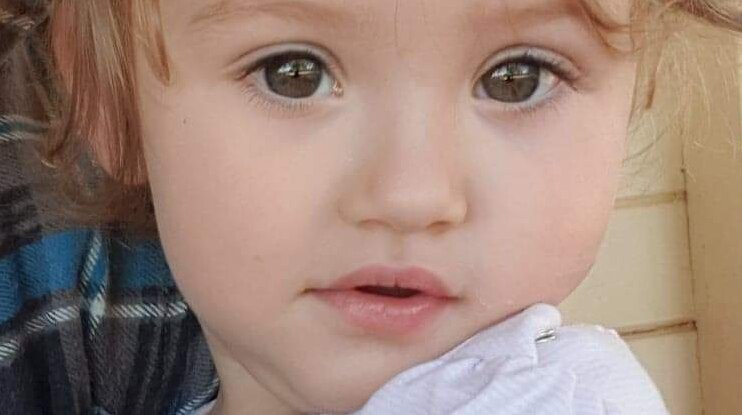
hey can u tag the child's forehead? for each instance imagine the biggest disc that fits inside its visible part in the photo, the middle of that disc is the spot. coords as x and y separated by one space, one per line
206 14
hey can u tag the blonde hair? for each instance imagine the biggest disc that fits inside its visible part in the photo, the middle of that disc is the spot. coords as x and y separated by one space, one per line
94 45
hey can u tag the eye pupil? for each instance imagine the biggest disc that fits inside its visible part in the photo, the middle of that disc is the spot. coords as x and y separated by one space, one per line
512 82
294 76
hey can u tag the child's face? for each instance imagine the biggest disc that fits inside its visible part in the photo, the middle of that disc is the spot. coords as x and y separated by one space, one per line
478 139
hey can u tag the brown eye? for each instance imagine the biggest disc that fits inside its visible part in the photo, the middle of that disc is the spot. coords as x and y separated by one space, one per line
294 75
512 82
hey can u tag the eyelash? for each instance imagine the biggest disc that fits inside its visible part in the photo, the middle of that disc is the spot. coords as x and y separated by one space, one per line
565 71
270 102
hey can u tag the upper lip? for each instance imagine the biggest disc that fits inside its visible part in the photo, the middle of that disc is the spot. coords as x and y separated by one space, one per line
415 278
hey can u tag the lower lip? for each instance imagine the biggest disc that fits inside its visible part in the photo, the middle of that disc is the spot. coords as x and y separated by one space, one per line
384 314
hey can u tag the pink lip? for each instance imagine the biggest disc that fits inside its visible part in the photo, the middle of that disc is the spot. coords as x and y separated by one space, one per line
386 314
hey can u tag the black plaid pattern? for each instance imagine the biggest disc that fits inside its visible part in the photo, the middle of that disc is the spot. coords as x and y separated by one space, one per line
79 349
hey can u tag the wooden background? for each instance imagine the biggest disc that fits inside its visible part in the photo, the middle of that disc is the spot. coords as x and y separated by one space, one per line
669 276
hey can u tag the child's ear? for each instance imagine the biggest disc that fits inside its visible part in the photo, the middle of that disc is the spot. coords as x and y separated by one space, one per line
94 110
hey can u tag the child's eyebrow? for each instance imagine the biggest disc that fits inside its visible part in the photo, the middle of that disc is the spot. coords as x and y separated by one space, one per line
220 11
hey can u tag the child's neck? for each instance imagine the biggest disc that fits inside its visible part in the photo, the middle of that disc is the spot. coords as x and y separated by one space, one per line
240 393
231 404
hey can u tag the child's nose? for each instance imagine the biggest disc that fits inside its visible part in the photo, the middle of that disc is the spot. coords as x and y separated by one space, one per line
411 178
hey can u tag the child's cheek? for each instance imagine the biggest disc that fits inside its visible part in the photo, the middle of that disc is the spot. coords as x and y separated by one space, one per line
234 216
547 196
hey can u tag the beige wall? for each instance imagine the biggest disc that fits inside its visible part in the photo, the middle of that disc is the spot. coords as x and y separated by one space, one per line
642 283
669 275
715 211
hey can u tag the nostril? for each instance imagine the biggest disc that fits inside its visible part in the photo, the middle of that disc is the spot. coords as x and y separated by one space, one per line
398 292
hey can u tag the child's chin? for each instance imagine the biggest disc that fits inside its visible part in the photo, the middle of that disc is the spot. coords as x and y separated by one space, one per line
340 391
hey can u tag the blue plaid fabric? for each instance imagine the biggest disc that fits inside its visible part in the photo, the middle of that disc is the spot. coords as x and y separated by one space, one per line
89 323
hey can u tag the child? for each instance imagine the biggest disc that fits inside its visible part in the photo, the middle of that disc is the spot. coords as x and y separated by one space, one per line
371 206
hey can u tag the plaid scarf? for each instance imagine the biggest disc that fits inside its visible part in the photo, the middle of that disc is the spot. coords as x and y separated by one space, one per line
89 324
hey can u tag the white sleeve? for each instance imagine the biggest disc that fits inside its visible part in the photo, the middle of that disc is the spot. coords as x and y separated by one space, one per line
606 371
505 371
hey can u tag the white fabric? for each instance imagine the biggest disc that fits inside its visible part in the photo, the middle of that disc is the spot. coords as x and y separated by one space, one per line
583 370
503 370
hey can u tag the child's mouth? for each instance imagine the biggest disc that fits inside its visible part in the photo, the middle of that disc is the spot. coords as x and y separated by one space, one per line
385 300
396 292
